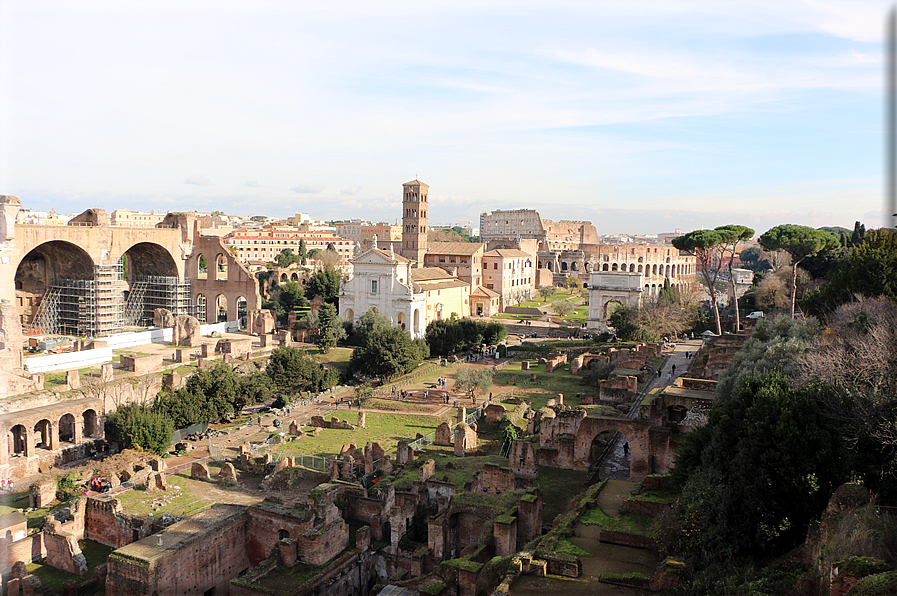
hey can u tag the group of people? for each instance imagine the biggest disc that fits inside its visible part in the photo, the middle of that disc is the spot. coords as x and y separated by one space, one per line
6 486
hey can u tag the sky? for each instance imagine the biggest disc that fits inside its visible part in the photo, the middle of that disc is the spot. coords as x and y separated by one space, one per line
641 117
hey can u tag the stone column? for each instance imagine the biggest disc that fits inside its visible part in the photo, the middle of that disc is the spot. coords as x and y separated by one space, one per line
29 442
77 429
53 432
4 447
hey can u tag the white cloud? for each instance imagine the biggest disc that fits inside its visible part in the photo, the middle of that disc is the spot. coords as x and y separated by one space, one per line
252 184
308 189
198 180
351 190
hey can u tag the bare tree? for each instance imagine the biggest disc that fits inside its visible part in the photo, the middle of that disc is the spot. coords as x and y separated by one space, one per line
659 318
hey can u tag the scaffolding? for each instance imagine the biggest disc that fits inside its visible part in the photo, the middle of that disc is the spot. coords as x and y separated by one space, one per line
149 292
199 309
84 307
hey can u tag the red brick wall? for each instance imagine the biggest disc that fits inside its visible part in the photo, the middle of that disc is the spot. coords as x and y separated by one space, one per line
27 549
106 524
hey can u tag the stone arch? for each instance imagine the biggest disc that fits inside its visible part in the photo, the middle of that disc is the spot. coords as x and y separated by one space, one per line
563 265
283 534
654 269
202 266
640 269
350 315
635 433
89 420
402 320
604 267
294 277
540 264
631 267
241 310
667 271
550 266
220 308
283 277
641 259
200 309
613 267
18 440
41 266
610 306
150 259
221 267
573 266
43 431
67 428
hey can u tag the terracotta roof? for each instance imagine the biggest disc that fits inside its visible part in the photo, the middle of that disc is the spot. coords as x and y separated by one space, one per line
508 253
396 257
441 284
483 291
416 181
430 273
454 248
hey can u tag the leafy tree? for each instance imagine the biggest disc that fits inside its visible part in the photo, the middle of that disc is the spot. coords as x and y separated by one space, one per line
451 336
669 293
388 352
507 430
546 292
731 235
203 264
292 296
302 252
133 425
330 327
276 307
752 258
706 246
563 307
572 282
798 241
258 218
324 283
294 370
369 322
624 320
869 269
769 468
775 346
286 258
471 380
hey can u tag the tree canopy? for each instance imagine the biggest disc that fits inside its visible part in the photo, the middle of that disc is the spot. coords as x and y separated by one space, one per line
330 327
706 246
798 241
133 425
388 351
450 336
324 283
730 237
292 369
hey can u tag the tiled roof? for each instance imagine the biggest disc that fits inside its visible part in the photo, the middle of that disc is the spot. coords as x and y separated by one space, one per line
508 253
454 248
430 273
483 291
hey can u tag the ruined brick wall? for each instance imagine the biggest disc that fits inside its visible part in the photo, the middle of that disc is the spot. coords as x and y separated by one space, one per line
529 518
325 543
27 549
495 479
107 523
194 561
264 531
63 552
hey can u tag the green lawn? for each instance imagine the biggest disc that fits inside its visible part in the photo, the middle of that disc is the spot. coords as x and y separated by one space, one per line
52 578
559 381
386 429
558 487
140 502
630 523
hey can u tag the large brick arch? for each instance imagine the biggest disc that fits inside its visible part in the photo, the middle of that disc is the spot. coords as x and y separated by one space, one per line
149 258
636 433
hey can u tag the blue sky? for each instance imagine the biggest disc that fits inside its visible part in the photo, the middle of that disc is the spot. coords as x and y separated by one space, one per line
640 117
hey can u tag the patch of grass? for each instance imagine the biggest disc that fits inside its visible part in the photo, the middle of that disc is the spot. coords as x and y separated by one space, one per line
629 523
565 547
376 403
558 486
459 470
386 429
54 379
140 502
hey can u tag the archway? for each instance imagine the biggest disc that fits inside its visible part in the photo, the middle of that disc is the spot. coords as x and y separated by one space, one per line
202 271
294 277
631 267
550 266
199 310
604 267
402 320
613 267
573 266
221 308
148 259
283 534
18 442
241 310
42 438
221 267
416 320
67 428
613 452
89 418
45 264
350 315
610 306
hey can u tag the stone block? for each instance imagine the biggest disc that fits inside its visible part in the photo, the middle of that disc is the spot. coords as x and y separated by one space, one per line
73 379
182 356
428 470
199 470
106 373
204 350
362 420
465 439
141 364
42 493
443 434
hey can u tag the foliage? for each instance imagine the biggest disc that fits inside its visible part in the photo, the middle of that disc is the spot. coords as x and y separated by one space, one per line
276 309
800 242
706 246
324 283
292 296
624 320
599 371
571 282
471 380
563 307
369 322
731 235
286 258
661 318
771 464
133 425
292 369
388 352
752 258
774 346
68 486
507 430
546 292
448 337
330 327
869 268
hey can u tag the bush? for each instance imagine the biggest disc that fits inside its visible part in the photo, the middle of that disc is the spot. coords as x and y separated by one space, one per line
137 426
68 487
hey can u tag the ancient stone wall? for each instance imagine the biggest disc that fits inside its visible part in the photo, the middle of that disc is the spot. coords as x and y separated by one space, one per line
108 524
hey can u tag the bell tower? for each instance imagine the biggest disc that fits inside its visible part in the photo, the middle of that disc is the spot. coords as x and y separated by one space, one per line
414 221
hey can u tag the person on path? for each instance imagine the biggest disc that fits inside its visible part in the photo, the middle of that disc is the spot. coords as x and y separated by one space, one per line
674 369
669 376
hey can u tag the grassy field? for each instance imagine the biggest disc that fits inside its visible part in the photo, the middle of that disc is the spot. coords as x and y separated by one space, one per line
140 502
559 381
52 578
376 403
558 487
386 429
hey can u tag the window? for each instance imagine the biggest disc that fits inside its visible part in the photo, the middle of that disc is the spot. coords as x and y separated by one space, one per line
373 286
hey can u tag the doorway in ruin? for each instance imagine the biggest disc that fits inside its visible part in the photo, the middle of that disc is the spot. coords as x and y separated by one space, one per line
611 454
